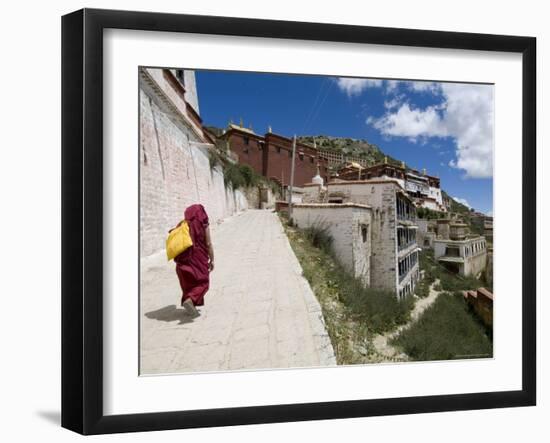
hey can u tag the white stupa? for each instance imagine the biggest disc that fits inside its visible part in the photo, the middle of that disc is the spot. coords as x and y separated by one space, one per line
318 180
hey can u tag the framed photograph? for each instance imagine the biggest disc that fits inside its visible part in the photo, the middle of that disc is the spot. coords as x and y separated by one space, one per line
269 221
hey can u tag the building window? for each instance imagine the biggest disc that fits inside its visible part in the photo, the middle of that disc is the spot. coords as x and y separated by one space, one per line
452 251
311 159
180 75
278 149
301 156
406 264
364 232
290 154
246 140
405 210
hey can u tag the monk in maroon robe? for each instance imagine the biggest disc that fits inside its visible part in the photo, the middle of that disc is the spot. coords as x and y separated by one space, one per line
193 266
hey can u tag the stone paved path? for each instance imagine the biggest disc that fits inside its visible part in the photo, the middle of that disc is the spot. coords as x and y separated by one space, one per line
259 313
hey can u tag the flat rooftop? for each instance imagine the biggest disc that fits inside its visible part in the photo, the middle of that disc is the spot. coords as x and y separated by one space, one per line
448 259
331 205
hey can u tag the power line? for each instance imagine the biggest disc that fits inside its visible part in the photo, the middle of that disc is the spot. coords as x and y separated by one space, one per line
320 105
312 109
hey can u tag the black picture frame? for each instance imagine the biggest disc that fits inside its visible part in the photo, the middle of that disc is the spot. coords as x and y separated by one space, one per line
82 220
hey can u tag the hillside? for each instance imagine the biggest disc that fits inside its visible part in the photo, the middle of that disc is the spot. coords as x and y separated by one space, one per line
349 146
456 206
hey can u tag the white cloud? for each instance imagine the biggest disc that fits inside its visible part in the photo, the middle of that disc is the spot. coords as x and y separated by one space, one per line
462 201
355 86
410 122
465 114
394 102
391 85
420 86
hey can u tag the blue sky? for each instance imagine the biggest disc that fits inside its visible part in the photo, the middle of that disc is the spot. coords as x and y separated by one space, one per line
444 127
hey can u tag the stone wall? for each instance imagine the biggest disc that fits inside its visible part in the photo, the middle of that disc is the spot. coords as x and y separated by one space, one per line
362 244
381 196
174 169
475 264
312 194
191 95
350 227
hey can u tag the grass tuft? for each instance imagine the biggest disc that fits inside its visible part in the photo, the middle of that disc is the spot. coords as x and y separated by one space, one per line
318 235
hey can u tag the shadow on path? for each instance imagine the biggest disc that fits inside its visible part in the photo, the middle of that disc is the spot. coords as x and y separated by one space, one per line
170 313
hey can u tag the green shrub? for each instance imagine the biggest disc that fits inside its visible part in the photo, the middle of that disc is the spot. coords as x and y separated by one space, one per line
318 235
448 281
232 176
380 310
214 158
446 330
451 282
422 289
250 177
240 176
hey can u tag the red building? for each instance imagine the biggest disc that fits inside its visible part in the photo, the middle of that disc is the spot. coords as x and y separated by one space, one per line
271 155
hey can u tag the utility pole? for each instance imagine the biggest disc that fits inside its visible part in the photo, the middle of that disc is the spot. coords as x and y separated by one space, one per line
291 178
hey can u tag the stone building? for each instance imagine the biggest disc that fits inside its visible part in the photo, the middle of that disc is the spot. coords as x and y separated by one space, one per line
349 225
271 155
427 232
174 158
488 228
461 253
456 248
393 263
424 189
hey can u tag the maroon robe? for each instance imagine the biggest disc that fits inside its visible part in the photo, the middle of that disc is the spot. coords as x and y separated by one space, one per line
192 264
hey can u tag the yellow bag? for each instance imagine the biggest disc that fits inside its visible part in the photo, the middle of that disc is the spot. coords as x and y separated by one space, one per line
178 241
